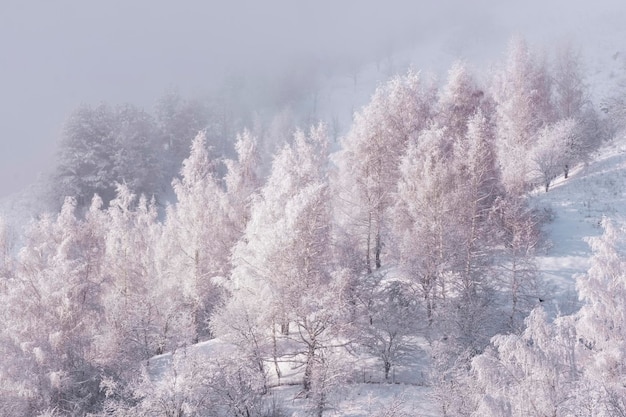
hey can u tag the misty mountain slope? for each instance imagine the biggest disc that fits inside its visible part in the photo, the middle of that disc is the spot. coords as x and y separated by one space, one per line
598 37
335 91
389 264
578 203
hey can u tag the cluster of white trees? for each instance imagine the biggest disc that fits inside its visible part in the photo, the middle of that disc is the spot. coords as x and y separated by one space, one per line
104 145
416 228
88 298
572 365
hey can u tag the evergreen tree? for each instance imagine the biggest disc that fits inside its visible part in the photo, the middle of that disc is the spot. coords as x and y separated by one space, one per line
242 179
198 235
103 146
282 266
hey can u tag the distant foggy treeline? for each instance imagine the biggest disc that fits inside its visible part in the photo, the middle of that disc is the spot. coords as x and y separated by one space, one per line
105 144
418 228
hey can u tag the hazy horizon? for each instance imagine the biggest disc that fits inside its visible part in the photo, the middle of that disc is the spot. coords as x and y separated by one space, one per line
57 55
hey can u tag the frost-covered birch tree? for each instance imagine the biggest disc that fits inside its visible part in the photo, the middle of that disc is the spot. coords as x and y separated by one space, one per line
523 96
368 164
282 266
533 373
51 313
553 152
198 235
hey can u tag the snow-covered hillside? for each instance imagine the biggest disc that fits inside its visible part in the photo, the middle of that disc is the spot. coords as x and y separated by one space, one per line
388 264
576 205
593 191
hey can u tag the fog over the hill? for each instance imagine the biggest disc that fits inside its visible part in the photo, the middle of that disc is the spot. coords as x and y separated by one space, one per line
56 55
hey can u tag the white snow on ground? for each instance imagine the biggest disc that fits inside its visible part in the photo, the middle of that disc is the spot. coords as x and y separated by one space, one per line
366 400
366 395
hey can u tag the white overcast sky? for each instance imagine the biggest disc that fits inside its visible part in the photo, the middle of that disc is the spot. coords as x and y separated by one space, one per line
56 54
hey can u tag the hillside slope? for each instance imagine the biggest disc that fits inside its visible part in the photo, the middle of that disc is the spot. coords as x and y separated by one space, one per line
592 191
577 204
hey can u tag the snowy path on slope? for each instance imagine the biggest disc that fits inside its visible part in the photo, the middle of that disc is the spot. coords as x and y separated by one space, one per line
579 203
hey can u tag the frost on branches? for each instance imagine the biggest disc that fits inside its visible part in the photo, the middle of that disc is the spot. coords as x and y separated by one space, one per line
573 365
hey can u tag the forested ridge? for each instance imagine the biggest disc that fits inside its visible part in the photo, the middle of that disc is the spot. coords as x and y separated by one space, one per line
410 237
